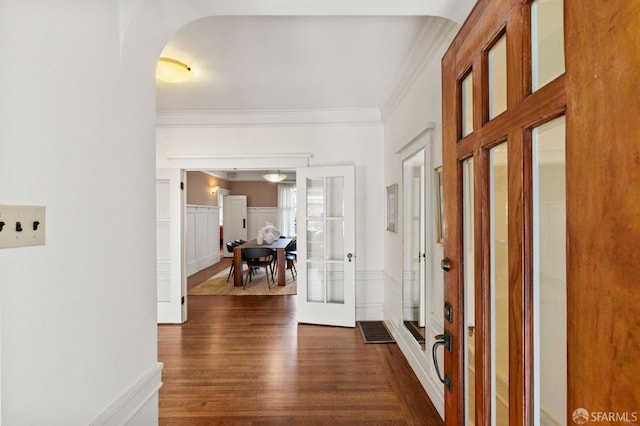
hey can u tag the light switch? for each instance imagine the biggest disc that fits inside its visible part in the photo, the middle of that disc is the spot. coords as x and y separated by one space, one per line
22 226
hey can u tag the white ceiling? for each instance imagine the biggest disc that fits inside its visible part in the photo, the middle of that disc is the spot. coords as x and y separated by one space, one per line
289 63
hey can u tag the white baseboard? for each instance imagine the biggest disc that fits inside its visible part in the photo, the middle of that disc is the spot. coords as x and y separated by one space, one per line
130 402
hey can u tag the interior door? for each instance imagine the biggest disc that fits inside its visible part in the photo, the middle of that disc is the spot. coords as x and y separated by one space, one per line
235 219
170 241
326 243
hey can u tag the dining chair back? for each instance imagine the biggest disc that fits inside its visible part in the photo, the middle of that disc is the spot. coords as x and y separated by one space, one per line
258 257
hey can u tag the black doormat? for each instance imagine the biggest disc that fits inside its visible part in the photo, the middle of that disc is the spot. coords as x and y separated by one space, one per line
413 329
375 332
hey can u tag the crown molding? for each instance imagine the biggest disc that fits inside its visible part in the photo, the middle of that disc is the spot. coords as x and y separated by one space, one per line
434 34
239 118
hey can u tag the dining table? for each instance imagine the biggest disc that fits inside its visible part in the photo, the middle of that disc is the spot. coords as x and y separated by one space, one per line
279 245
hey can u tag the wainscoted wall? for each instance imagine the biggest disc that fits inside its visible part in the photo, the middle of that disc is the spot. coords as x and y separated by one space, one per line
202 244
369 295
419 359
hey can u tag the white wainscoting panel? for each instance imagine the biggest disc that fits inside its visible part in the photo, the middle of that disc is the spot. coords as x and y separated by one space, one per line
202 245
369 295
418 358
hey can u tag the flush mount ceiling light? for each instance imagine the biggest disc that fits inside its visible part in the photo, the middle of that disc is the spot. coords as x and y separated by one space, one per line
274 177
172 71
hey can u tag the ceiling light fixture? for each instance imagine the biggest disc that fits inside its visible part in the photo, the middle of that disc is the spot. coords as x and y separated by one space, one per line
275 177
172 71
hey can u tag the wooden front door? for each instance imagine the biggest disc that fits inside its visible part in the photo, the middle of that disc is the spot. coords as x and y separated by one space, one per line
539 98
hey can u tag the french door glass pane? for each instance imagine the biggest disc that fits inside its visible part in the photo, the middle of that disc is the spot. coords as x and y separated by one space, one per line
547 41
335 283
315 282
549 273
499 286
498 78
466 89
315 197
315 239
335 243
469 288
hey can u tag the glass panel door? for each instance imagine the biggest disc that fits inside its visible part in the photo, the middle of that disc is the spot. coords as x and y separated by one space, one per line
326 284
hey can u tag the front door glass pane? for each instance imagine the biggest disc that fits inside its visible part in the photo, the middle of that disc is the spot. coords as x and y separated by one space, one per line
499 286
469 288
466 89
549 273
547 41
498 78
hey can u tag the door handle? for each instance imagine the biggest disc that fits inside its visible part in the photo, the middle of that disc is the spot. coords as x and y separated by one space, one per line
441 340
244 223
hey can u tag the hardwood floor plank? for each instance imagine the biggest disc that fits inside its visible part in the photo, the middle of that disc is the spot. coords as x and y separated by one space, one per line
245 361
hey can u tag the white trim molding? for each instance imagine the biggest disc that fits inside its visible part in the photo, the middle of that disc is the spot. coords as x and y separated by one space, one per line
130 402
277 118
436 33
259 161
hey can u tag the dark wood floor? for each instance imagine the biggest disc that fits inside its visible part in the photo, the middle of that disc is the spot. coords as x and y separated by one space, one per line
245 361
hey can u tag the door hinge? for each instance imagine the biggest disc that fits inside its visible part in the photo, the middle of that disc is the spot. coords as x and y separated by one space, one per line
182 186
182 300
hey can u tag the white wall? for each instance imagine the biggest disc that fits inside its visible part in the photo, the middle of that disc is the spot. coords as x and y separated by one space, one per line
78 314
415 108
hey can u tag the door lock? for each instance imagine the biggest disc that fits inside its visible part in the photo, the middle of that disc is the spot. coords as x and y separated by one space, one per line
445 264
448 312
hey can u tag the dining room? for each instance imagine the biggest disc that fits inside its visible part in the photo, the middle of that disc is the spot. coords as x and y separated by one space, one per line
266 212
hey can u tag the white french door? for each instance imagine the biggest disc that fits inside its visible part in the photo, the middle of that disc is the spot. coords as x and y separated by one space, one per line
171 280
326 244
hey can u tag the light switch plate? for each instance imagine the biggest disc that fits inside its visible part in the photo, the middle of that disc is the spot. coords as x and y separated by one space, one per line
23 226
